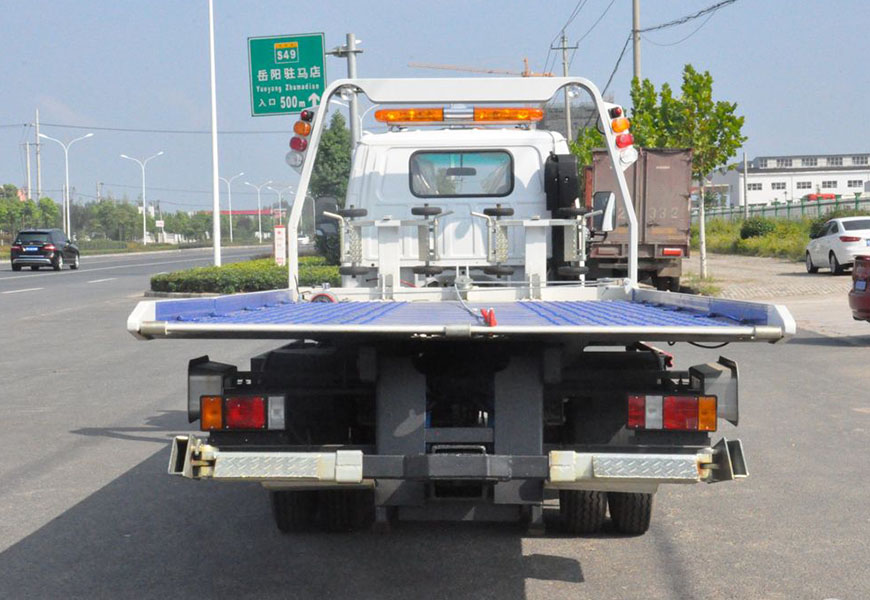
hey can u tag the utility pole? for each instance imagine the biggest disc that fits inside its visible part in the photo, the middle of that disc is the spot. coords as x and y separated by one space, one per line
29 189
635 36
215 182
38 160
569 133
745 188
349 51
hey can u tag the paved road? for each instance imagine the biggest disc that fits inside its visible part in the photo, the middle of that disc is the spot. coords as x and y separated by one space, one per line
86 510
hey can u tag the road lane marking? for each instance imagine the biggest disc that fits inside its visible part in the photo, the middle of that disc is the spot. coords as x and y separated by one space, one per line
23 290
127 266
102 280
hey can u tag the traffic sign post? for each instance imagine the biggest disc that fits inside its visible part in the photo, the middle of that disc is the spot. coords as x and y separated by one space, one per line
288 73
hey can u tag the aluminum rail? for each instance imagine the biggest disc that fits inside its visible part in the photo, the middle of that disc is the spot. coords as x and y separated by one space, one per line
447 91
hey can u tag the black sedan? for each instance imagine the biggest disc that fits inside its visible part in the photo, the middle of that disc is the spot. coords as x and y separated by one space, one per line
36 248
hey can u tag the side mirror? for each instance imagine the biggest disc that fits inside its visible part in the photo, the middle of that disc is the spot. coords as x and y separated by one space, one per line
606 202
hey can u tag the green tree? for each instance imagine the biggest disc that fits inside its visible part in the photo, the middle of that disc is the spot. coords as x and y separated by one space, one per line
332 166
48 213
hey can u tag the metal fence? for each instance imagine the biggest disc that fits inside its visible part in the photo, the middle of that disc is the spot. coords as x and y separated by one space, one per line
790 211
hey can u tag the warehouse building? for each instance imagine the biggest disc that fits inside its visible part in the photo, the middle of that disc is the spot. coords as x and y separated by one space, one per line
783 179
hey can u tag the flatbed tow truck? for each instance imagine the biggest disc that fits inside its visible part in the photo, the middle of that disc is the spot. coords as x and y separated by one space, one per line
465 369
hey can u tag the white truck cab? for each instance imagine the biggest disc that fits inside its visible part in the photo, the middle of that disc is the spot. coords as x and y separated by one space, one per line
461 172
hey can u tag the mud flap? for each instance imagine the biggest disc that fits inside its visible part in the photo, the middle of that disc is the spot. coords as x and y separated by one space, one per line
728 461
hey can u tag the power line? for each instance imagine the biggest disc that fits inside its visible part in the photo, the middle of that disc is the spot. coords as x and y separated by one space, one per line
687 18
168 131
588 31
681 40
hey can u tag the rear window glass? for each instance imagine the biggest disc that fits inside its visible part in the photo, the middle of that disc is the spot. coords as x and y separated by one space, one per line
33 237
856 225
461 174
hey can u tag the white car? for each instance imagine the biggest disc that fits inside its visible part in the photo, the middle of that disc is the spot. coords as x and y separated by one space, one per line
837 244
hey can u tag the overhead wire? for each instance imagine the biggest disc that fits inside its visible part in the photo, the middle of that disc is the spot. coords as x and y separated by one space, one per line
588 31
681 40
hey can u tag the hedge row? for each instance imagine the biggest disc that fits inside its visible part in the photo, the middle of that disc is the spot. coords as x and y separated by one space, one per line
250 276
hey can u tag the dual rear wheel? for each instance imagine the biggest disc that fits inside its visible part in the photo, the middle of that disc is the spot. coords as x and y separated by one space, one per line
583 511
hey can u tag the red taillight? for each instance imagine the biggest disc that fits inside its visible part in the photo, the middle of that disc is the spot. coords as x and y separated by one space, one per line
624 140
49 247
672 251
245 412
299 144
636 412
849 238
680 412
16 248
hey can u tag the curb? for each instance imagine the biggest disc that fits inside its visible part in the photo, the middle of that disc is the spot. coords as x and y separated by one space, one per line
153 294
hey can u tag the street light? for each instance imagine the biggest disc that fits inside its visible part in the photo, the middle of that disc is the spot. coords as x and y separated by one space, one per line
144 205
280 194
259 210
67 221
229 183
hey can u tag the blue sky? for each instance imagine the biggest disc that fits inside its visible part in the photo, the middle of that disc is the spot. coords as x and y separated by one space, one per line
798 71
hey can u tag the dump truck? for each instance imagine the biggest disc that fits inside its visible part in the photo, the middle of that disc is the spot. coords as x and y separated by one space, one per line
660 186
466 368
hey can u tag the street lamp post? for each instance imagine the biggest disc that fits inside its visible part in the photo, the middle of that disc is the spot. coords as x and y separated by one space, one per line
259 210
67 221
229 183
142 164
280 194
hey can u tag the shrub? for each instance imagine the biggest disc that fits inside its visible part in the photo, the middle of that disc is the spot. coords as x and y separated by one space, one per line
250 276
755 227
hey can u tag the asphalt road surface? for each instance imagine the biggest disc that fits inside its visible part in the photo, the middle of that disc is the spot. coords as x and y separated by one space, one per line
87 511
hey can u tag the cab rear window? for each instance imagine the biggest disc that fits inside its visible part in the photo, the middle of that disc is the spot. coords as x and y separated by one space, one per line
33 237
460 174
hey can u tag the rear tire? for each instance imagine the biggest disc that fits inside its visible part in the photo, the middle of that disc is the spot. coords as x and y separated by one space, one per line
582 511
58 263
631 512
294 511
16 267
836 267
75 263
34 267
811 268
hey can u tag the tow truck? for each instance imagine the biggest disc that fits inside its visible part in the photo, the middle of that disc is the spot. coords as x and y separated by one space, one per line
465 368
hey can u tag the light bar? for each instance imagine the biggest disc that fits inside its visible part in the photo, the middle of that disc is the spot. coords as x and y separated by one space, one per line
409 115
460 114
508 114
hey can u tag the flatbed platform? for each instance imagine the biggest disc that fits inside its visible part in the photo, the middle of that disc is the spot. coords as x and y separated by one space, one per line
651 316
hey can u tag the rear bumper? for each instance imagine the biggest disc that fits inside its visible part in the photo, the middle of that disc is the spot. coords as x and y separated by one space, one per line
31 260
561 469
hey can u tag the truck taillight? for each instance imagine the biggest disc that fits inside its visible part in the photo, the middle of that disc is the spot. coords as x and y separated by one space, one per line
245 412
241 412
211 411
672 251
673 413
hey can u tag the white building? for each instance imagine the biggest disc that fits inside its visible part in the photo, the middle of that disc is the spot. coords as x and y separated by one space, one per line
781 179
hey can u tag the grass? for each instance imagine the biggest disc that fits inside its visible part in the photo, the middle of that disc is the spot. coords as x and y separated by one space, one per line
788 239
705 287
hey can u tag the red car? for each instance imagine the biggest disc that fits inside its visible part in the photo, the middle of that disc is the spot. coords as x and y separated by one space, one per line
859 297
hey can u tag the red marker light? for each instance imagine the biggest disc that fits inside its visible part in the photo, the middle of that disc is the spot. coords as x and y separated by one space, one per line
624 140
307 115
245 413
615 112
299 144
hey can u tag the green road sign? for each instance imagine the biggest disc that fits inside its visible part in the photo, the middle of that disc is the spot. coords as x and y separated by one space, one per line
287 73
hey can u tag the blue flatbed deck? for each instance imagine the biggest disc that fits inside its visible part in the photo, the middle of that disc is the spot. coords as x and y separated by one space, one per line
623 315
